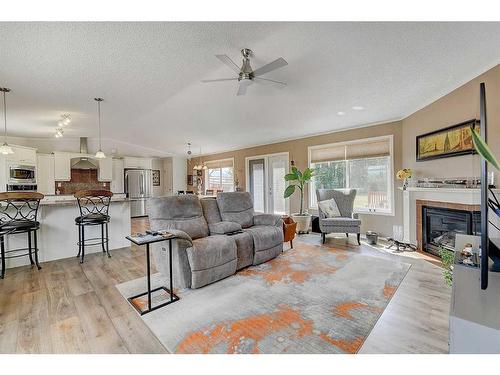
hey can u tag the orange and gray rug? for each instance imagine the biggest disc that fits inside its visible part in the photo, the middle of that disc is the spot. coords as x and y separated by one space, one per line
311 299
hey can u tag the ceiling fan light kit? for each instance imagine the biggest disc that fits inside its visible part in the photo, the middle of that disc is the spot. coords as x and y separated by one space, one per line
246 74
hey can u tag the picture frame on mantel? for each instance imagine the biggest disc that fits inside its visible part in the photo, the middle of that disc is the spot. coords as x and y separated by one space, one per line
451 141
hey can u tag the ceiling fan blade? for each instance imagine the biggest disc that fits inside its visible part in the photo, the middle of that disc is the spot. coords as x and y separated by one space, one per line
269 82
242 88
218 80
276 64
228 62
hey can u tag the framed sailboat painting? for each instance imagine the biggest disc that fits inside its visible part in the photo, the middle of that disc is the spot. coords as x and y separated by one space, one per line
453 140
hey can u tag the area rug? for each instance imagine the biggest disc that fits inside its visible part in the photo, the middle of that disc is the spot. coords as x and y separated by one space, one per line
310 299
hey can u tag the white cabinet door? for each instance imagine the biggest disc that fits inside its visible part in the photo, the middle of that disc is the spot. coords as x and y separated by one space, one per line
117 186
22 155
141 163
62 166
45 174
146 163
131 162
105 169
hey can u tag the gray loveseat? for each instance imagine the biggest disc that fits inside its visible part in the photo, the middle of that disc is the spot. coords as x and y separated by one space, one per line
204 253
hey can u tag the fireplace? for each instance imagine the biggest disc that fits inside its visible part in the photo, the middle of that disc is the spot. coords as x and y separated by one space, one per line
441 224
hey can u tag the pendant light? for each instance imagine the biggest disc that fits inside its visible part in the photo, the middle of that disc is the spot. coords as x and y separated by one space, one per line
99 154
5 149
201 165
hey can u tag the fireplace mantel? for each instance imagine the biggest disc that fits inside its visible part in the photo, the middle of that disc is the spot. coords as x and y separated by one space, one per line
440 195
463 196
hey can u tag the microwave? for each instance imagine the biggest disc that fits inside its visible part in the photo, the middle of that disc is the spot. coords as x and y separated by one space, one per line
22 174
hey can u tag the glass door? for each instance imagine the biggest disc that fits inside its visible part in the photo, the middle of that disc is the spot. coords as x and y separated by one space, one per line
266 176
278 168
257 179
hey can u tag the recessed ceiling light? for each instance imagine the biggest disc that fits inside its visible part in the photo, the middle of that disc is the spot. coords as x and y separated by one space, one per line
358 108
341 113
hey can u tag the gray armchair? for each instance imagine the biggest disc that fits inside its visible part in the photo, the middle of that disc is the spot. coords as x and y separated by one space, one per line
348 222
198 259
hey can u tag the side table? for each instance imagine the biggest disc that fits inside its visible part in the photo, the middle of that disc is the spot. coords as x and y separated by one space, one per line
147 240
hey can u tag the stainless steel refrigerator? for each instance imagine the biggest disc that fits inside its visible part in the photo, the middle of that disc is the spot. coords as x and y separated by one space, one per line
138 187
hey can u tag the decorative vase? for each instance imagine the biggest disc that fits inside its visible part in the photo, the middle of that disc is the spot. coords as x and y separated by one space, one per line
303 222
405 184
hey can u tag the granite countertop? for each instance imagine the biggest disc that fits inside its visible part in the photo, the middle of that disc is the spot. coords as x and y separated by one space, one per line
55 200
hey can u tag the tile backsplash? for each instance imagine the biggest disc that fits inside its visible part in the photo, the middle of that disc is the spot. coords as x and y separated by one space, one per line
81 179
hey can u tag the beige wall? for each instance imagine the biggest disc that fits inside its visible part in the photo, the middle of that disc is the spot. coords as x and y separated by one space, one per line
298 151
458 106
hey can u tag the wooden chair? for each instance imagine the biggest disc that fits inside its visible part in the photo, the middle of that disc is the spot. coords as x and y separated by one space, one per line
94 210
18 214
209 192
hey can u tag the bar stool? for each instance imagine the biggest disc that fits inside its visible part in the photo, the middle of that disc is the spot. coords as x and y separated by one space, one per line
94 208
18 214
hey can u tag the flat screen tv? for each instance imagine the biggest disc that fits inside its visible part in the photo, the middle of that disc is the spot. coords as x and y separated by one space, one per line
488 248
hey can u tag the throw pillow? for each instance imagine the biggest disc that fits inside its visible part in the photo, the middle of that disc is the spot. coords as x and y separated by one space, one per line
329 208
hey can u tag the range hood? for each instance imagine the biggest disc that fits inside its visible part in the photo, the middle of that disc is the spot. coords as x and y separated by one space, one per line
83 162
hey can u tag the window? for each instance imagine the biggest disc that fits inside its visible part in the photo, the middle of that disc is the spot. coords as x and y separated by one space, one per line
219 175
364 165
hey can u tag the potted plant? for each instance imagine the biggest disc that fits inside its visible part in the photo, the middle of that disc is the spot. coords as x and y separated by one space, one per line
298 179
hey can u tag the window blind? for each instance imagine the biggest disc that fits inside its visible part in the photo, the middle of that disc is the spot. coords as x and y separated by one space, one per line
219 163
358 150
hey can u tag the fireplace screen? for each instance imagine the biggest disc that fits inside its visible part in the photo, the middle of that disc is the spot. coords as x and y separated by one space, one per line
440 226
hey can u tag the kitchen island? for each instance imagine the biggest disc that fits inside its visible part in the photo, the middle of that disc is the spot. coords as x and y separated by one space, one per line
58 234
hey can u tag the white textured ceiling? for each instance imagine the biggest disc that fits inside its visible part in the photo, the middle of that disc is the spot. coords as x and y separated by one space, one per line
149 75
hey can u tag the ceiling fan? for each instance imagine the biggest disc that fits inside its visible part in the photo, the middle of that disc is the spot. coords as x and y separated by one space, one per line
246 75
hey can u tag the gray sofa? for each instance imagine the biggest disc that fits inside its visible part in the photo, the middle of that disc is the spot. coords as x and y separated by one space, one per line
204 253
348 222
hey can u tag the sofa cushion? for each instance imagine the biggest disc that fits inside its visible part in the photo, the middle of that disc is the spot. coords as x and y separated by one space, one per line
211 251
210 210
183 212
268 254
340 222
210 275
265 236
223 227
244 249
268 219
236 206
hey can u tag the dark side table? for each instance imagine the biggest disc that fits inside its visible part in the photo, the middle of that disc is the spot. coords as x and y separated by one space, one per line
147 240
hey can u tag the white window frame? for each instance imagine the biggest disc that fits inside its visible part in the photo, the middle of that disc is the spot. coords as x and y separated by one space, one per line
390 177
206 178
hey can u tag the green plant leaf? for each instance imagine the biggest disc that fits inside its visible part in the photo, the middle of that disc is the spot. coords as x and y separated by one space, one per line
291 177
289 191
307 175
298 173
483 149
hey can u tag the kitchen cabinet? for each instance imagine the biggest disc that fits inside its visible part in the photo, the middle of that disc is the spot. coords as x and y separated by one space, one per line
117 186
140 163
22 155
45 177
62 166
105 172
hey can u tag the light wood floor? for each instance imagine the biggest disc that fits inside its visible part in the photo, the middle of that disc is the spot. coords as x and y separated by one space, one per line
71 308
